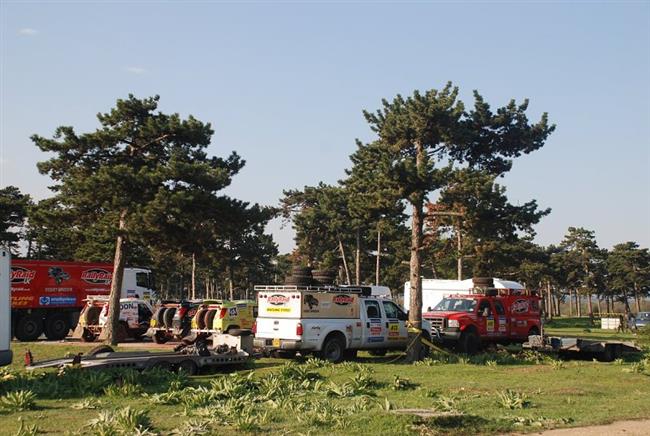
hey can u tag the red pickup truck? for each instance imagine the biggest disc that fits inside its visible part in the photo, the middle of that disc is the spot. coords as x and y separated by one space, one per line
466 322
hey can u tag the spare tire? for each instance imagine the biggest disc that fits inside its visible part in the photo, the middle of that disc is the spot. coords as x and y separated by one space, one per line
483 282
200 314
159 316
91 315
168 317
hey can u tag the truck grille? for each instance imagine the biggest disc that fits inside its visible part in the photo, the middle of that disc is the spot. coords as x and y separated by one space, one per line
437 322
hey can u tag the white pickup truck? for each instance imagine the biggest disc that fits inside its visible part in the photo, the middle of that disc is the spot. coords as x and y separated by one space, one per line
332 322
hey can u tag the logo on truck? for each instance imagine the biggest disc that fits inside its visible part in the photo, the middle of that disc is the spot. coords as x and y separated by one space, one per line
97 276
343 300
58 274
520 306
22 275
278 299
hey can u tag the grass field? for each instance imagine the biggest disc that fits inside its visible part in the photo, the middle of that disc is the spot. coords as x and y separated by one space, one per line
489 393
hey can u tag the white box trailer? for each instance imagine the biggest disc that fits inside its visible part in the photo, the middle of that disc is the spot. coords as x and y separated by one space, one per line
5 306
434 290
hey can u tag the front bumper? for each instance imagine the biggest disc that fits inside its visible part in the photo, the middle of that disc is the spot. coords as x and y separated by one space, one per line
445 335
281 344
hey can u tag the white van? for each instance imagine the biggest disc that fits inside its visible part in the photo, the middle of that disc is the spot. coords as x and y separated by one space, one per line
434 290
5 306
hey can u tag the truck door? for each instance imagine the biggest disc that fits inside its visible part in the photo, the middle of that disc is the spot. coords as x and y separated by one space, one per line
502 321
395 325
485 318
374 329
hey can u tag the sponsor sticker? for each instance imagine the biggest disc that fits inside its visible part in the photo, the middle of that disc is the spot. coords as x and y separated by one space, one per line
232 311
343 300
520 306
97 276
376 339
22 275
131 305
375 330
278 299
22 300
278 309
57 301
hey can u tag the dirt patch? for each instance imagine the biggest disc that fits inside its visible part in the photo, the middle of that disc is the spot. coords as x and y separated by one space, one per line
628 428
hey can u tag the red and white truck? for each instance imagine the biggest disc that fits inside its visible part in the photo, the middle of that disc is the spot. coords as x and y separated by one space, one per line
466 322
47 296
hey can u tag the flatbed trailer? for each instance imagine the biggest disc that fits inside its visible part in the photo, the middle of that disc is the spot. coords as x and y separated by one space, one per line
567 347
188 358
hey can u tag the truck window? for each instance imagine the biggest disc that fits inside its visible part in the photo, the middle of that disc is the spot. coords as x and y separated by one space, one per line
456 305
484 308
499 308
142 279
372 309
393 312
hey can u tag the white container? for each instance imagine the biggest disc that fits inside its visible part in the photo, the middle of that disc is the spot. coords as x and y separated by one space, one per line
610 323
5 306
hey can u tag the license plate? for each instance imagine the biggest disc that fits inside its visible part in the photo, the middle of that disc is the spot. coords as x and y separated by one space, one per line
276 343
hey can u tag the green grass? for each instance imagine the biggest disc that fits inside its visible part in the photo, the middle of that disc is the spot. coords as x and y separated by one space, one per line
476 395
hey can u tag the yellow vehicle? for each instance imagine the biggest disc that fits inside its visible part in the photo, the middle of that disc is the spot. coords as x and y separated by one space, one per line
225 316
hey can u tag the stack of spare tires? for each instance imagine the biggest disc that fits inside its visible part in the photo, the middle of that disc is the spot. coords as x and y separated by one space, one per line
305 276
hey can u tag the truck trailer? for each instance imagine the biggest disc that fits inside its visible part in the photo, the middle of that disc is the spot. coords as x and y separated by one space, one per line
47 295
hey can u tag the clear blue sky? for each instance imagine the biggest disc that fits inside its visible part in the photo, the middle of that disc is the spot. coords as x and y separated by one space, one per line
284 85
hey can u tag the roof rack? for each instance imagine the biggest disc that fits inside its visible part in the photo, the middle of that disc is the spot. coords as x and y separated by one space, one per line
364 290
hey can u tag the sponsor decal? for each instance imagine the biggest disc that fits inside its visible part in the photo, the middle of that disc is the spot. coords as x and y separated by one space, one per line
278 309
57 301
232 311
58 274
343 300
278 299
490 325
502 324
22 275
22 301
97 276
311 301
376 339
520 306
375 330
131 305
58 289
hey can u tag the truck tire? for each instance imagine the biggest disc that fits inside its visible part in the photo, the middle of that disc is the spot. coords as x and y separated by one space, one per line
199 317
57 326
189 367
91 315
208 318
160 337
169 317
159 317
469 343
333 349
99 349
88 336
29 328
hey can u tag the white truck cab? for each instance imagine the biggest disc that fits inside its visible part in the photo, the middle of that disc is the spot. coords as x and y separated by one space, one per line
5 306
332 322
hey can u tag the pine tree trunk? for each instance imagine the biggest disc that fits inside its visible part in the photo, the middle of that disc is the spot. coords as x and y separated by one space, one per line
578 304
357 260
230 280
571 302
415 303
345 262
193 276
599 307
636 298
378 257
590 307
109 332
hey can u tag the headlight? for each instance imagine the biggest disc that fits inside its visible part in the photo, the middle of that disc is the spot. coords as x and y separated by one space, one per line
452 323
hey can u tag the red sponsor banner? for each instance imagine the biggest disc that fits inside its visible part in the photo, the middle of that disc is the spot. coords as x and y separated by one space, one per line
22 275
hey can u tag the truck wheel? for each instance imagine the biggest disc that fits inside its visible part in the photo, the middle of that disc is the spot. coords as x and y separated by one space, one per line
208 319
29 328
99 349
200 314
189 367
377 352
87 336
169 317
56 326
160 337
469 343
333 349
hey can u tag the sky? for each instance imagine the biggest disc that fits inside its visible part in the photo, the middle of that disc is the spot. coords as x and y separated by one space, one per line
284 85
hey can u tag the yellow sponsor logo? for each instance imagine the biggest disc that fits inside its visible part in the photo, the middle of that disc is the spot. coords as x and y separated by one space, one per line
393 327
279 309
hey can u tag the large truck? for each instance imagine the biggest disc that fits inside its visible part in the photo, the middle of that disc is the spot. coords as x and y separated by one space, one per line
47 296
5 307
332 322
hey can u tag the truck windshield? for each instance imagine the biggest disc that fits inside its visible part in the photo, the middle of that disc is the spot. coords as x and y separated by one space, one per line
456 305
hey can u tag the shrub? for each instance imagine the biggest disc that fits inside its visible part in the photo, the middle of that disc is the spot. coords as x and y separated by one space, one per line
512 400
18 401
